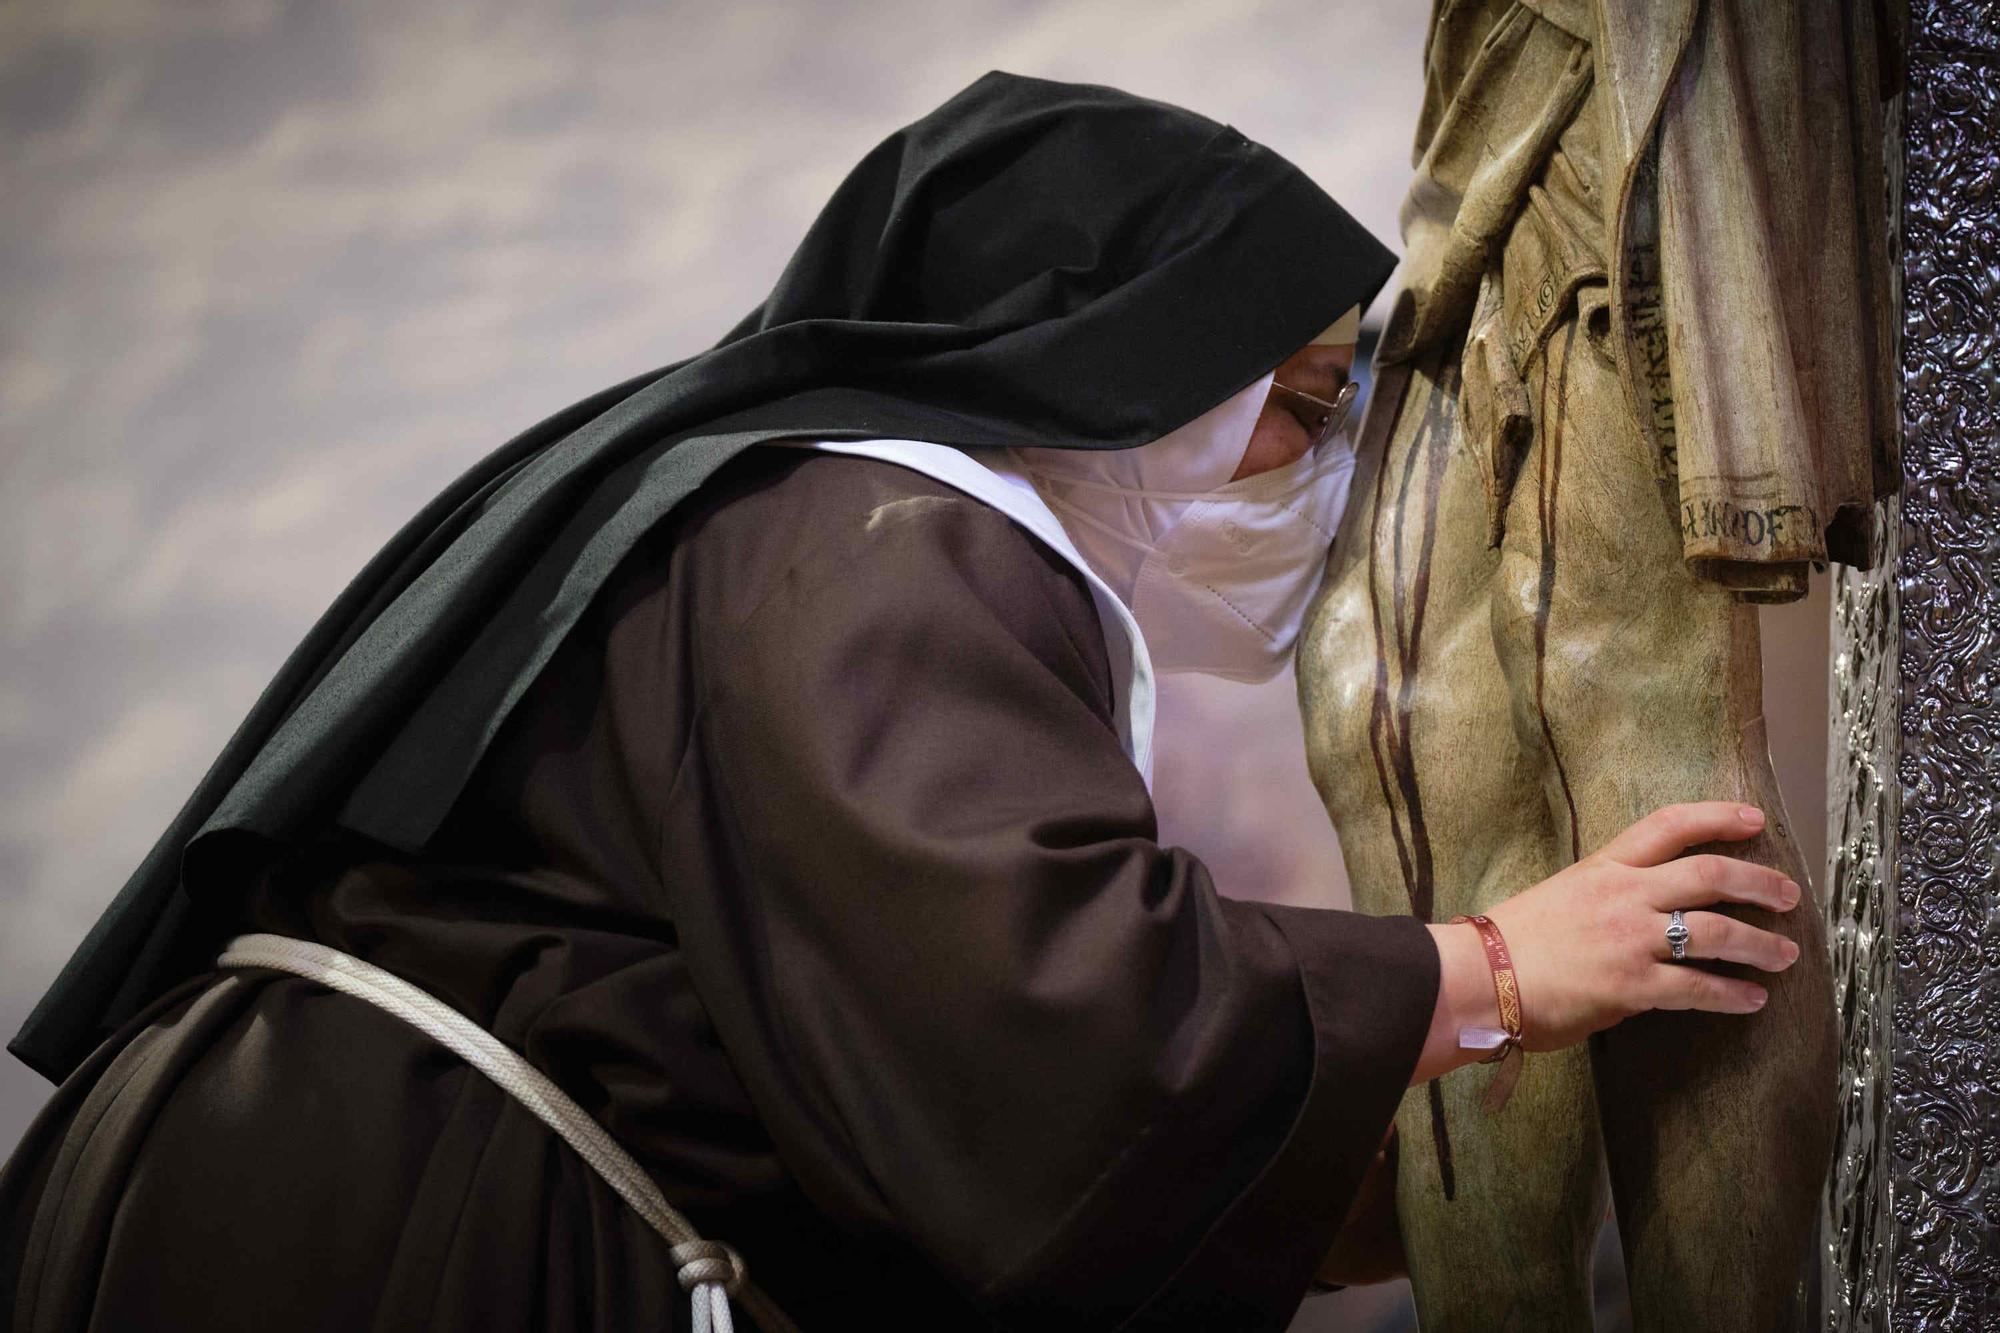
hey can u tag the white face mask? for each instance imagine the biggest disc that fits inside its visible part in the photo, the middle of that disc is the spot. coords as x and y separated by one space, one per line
1222 585
1226 593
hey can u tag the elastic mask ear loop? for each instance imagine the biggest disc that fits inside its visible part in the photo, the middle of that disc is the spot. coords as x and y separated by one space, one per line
1090 520
1136 492
1300 469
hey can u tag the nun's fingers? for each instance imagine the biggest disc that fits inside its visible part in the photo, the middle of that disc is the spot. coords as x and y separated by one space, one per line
1678 986
1697 881
1727 940
1672 829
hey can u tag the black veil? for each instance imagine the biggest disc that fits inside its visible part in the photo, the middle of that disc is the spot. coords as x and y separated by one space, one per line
1062 265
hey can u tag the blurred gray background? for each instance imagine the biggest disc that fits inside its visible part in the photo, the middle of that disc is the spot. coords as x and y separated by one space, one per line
271 274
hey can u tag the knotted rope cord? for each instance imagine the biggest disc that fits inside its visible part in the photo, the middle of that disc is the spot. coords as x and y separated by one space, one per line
708 1271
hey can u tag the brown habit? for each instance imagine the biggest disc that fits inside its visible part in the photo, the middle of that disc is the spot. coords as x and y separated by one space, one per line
812 867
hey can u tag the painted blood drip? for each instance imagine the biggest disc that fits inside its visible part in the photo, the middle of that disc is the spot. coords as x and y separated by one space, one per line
1389 729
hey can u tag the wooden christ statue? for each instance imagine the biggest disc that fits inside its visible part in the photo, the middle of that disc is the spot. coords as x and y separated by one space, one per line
1638 381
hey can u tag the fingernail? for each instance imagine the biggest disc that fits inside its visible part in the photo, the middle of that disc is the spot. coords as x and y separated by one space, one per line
1791 952
1757 1001
1751 815
1791 893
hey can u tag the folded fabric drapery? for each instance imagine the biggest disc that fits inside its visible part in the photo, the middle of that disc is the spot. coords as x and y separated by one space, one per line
710 1272
1728 224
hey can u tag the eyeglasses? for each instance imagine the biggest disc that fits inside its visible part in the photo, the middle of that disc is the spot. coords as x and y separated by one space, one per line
1321 419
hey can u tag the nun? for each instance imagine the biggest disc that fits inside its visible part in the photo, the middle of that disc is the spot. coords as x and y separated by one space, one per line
702 869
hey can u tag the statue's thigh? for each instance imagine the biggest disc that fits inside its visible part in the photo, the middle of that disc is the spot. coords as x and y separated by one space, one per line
1439 811
1626 672
1405 706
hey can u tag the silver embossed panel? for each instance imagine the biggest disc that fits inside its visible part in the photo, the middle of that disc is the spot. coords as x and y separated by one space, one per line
1944 1099
1912 1224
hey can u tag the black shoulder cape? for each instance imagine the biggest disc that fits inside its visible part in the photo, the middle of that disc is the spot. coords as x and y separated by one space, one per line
1055 264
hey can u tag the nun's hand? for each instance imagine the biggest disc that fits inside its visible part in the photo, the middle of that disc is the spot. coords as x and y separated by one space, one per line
1589 943
1369 1246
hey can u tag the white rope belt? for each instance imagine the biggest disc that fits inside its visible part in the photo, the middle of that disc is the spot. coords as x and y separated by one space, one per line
710 1272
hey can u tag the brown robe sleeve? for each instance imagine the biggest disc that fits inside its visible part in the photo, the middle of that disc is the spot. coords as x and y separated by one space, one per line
975 1002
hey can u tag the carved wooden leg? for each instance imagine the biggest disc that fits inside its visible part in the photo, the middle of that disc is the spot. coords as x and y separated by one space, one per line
1642 686
1440 810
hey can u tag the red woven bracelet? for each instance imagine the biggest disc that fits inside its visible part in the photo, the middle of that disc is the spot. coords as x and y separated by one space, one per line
1508 1051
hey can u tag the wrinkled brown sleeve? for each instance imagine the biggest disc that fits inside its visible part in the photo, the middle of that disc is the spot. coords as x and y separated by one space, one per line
975 1000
